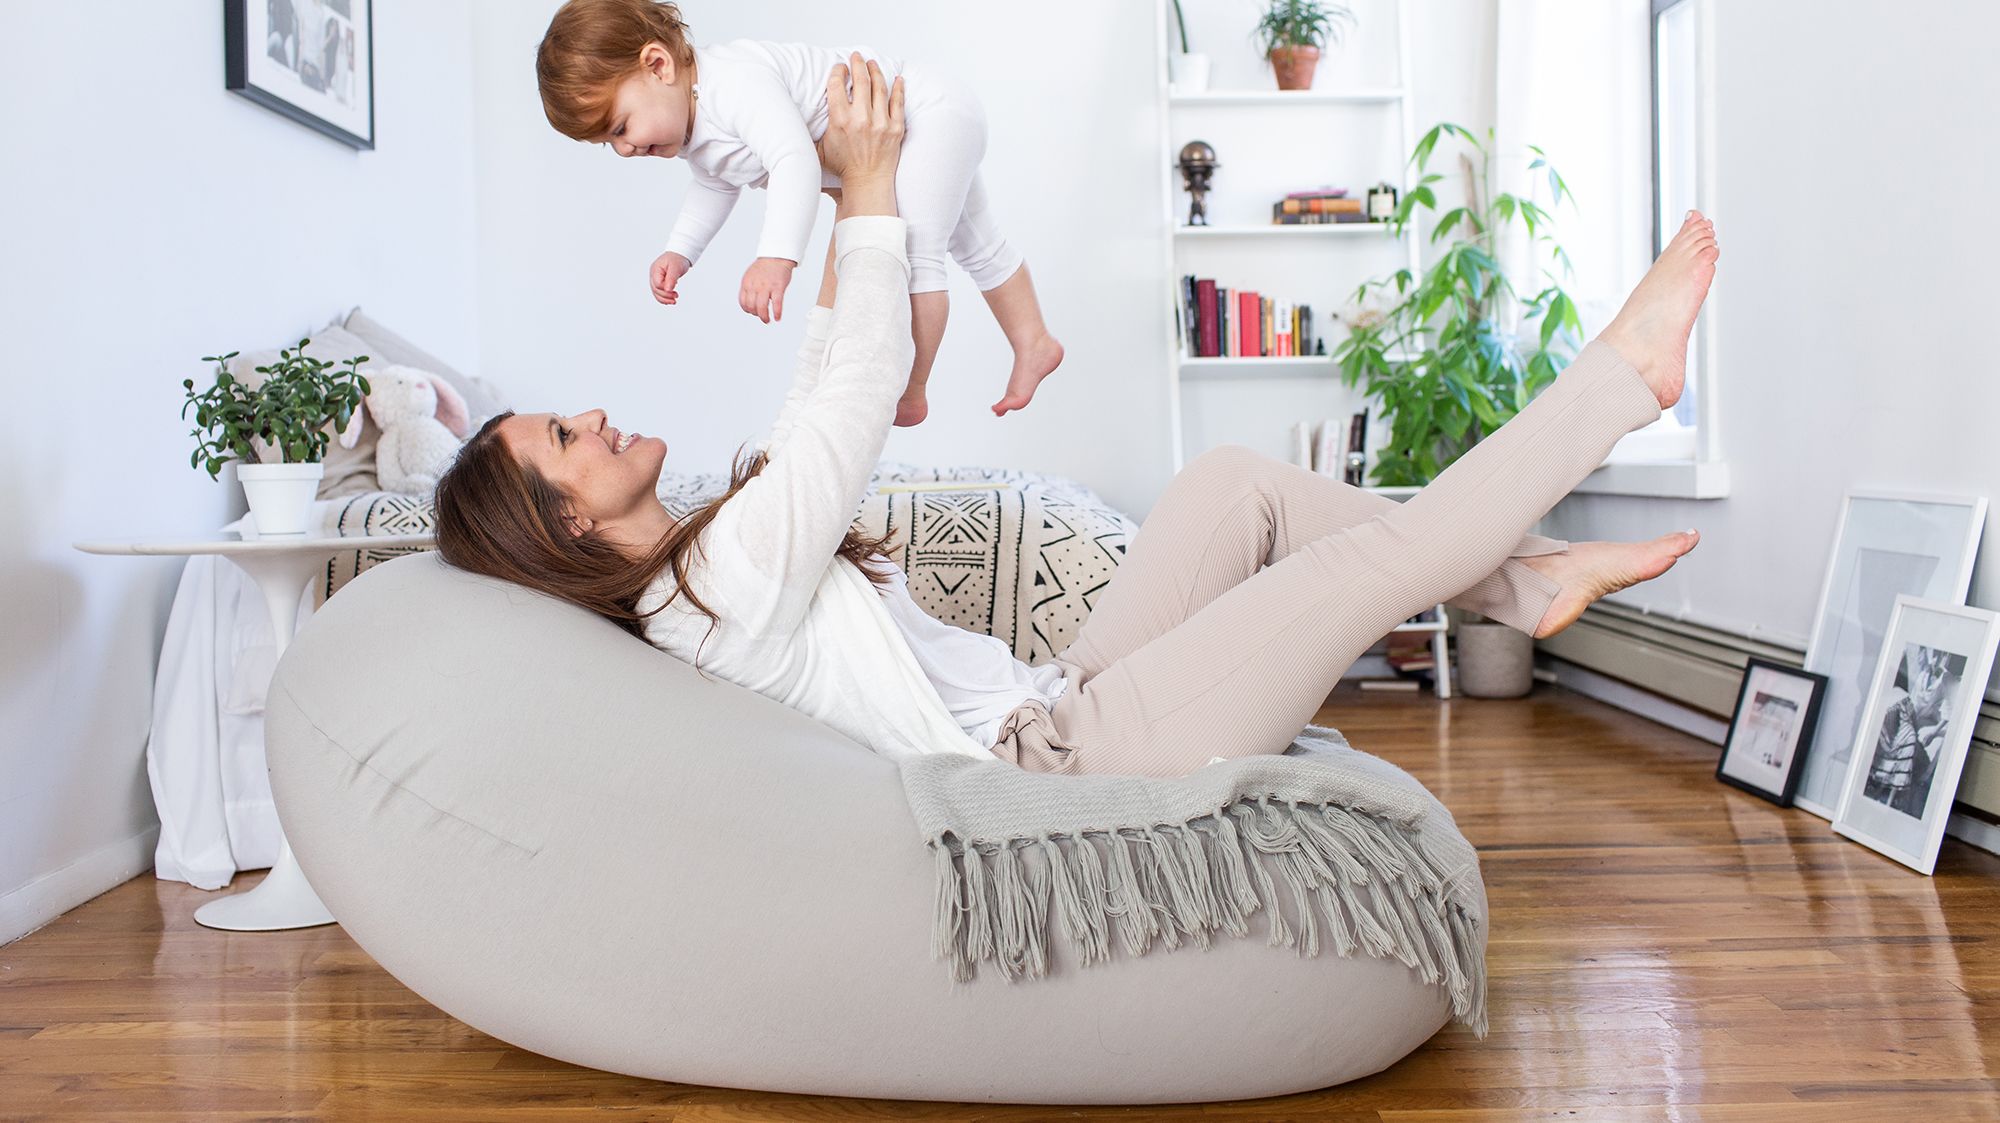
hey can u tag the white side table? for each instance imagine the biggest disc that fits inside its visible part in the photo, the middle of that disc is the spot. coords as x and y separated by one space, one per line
284 567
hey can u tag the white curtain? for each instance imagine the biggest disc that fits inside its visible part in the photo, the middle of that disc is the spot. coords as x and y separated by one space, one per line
1574 78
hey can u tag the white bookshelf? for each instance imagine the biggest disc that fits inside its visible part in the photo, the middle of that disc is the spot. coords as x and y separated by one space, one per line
1288 97
1350 131
1313 230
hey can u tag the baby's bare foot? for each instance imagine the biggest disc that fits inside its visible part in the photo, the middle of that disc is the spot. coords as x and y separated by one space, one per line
1651 330
1589 570
1032 363
912 407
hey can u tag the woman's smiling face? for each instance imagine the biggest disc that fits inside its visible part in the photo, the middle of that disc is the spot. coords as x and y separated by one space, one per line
606 473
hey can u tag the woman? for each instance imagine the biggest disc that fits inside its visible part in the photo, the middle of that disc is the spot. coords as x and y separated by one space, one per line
1252 585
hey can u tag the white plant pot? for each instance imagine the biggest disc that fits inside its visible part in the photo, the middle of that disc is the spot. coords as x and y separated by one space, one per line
1494 660
280 495
1187 74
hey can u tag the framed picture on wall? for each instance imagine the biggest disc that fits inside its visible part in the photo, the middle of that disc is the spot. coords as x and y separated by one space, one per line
1777 712
1916 727
311 60
1886 544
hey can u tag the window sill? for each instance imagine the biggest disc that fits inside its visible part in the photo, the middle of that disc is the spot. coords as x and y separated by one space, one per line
1664 479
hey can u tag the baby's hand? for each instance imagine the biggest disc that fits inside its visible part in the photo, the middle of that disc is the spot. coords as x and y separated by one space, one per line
764 283
667 271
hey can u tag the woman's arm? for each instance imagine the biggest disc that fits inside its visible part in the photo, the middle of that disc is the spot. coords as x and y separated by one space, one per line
772 543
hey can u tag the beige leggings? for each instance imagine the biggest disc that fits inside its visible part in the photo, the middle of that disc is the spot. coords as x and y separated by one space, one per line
1253 584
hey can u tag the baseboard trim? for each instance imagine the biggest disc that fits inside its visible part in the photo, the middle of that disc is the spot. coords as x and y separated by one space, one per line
1686 676
43 900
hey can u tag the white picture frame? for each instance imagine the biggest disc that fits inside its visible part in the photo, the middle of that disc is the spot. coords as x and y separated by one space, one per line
1886 544
1917 726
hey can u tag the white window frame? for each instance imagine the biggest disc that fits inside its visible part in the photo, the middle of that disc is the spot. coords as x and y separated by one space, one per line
1670 458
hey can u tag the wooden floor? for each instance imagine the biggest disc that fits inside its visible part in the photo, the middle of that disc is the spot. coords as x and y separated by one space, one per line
1663 947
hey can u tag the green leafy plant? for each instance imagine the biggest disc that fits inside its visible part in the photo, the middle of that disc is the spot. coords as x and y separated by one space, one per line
1302 23
1181 22
1460 350
290 411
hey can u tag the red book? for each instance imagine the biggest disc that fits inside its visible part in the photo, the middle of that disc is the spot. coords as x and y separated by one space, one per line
1246 308
1210 343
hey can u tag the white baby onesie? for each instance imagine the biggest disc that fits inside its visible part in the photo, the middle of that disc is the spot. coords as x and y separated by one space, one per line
759 109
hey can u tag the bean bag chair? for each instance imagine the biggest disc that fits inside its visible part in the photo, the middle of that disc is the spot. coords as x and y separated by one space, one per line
586 848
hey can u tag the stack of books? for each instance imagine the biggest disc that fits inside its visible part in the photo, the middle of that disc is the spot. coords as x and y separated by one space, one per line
1326 204
1217 322
1321 448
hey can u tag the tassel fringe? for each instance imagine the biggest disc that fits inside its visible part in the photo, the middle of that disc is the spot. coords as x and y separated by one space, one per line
1356 881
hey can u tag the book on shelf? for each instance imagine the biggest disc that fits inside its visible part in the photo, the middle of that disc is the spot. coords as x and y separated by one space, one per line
1302 444
1318 193
1397 685
1319 204
1210 343
1357 449
1326 453
1341 219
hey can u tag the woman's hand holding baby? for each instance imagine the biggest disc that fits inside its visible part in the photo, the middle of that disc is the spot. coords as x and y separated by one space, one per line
864 137
764 284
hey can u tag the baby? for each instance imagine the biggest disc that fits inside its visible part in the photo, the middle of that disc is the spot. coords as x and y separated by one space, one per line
747 113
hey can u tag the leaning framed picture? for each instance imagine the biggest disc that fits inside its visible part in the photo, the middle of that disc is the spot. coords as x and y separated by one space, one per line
1916 727
310 60
1886 544
1777 712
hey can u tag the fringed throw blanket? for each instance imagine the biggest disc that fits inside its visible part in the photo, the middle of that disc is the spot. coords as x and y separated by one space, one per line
1370 861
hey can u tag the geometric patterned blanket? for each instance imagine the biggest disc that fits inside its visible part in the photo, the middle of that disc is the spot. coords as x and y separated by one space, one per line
1017 555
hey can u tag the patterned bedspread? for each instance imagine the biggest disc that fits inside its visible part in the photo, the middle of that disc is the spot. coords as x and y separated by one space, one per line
1012 554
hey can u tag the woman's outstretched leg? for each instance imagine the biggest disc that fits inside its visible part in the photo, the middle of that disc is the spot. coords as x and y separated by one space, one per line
1233 511
1245 673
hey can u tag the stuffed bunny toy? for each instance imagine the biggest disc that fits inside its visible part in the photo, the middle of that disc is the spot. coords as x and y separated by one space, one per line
423 421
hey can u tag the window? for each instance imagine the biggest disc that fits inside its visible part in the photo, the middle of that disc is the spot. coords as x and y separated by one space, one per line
1677 158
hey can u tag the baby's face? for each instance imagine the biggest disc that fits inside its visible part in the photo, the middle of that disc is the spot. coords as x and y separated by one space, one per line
649 116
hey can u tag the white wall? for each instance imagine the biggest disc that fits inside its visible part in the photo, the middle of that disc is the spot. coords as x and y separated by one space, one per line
151 217
566 232
1854 208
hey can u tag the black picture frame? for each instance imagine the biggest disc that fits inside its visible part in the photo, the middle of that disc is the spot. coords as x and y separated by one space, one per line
1804 726
237 76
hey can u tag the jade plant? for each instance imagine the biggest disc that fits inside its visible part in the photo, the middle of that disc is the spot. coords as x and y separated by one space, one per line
1302 23
1459 350
291 411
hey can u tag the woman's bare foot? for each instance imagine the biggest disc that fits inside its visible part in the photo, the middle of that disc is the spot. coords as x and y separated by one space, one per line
1651 330
912 407
1032 363
1589 570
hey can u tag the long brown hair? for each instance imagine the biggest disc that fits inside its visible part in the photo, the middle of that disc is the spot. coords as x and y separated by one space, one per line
499 517
590 47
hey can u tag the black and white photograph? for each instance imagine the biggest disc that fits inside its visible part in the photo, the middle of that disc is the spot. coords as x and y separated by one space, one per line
310 60
1914 730
1885 544
1919 715
1771 729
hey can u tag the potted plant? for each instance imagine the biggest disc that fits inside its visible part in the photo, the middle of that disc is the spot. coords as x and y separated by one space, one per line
1186 73
1459 351
277 432
1293 31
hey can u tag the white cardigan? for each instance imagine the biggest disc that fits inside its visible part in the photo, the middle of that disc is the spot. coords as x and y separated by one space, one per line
797 622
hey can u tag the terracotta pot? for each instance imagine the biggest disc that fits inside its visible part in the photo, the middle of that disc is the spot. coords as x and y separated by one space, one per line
1295 66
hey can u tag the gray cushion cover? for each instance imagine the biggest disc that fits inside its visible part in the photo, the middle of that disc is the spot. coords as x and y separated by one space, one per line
580 845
